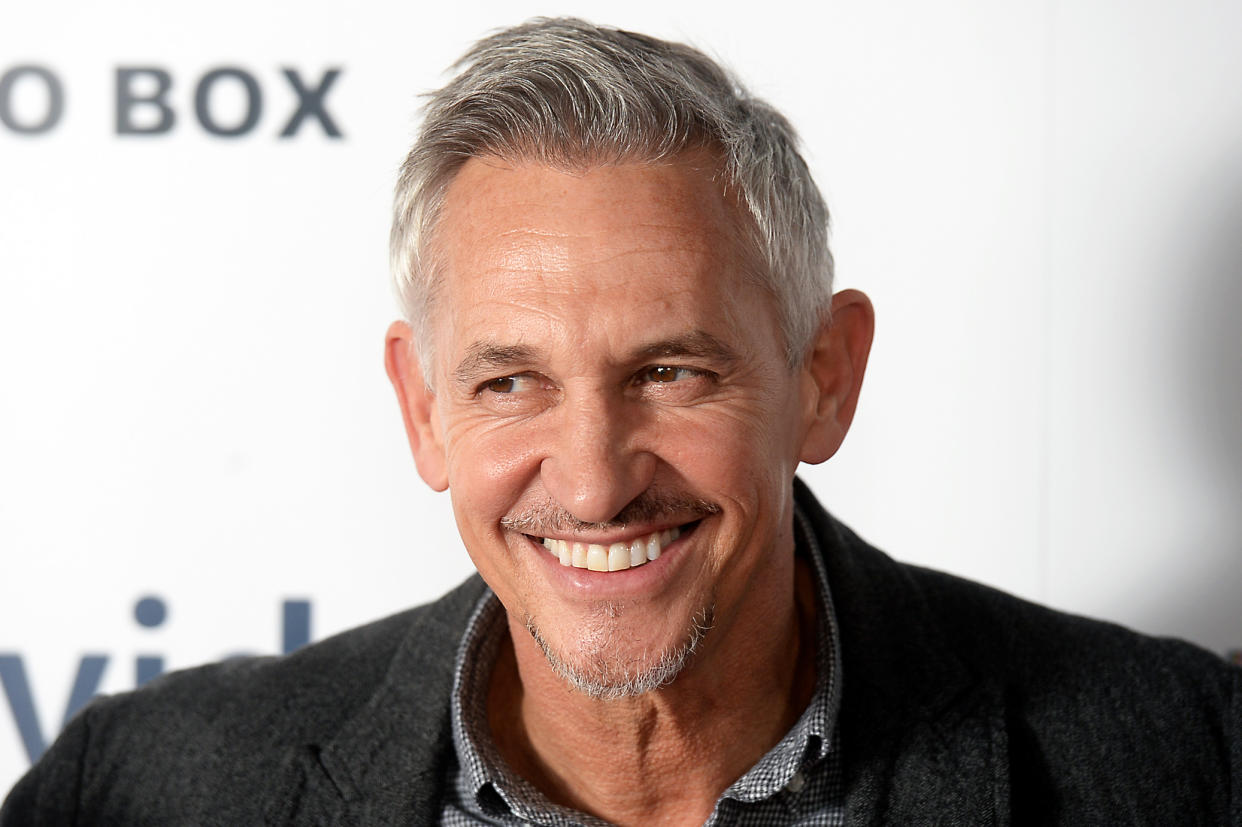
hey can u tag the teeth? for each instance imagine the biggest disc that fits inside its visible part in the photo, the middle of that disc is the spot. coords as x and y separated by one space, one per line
597 557
638 553
615 557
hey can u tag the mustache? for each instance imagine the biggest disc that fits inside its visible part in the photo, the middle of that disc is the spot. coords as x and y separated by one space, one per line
542 519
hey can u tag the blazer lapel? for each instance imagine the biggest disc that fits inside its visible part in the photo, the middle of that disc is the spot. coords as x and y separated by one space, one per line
386 764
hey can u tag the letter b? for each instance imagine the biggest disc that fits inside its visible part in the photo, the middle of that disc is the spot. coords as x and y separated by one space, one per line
127 98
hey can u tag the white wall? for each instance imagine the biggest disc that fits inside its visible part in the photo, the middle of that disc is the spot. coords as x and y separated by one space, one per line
1043 199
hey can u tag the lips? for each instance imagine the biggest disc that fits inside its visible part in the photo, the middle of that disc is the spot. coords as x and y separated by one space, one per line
611 557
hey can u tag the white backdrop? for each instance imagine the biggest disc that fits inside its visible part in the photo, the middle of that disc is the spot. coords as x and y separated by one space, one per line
199 452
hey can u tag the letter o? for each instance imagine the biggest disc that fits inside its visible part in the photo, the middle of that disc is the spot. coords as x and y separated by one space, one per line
55 99
254 101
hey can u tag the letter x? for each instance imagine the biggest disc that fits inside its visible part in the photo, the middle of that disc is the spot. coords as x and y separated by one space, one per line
310 102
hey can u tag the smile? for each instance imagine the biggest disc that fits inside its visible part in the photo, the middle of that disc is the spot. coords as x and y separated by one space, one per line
615 556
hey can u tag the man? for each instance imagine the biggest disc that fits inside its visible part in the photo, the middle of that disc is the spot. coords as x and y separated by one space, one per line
620 342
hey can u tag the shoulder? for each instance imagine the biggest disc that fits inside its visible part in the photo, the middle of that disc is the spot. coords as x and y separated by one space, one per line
989 632
1089 716
1077 674
1047 657
1100 722
210 738
300 697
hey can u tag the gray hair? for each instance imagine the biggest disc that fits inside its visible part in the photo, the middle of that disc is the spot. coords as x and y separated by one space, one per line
569 94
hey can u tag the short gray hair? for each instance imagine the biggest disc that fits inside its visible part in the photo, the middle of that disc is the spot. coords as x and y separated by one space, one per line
569 94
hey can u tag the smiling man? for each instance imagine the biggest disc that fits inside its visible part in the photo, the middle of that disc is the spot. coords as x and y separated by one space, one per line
618 414
616 388
620 341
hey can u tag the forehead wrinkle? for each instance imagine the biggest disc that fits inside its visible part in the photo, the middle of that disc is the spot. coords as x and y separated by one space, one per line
587 268
528 251
521 232
683 251
574 251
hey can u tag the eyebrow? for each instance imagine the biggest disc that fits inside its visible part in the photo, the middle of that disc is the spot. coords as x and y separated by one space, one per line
488 358
697 344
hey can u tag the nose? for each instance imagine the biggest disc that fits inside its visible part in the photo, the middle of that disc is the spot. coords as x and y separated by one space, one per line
596 462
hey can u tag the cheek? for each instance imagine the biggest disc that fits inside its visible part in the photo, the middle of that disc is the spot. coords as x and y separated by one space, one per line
740 440
488 466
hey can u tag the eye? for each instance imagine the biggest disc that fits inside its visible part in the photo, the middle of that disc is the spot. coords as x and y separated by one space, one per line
675 384
667 373
507 384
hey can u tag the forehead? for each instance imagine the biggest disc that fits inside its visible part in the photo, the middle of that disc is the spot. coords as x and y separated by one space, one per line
528 207
545 255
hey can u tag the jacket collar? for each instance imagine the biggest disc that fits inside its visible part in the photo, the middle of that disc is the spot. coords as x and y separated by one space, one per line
923 736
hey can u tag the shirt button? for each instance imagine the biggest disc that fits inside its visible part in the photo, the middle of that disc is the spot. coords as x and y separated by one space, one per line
796 783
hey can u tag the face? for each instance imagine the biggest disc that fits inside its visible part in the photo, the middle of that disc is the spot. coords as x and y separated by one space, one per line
610 391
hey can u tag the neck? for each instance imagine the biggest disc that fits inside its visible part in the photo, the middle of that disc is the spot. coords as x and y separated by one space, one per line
664 756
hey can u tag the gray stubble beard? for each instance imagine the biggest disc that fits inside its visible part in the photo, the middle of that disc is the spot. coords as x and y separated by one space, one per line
608 678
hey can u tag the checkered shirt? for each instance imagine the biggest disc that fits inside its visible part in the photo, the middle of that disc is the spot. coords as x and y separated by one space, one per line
798 782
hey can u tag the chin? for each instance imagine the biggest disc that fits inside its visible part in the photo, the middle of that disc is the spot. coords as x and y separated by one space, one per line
599 665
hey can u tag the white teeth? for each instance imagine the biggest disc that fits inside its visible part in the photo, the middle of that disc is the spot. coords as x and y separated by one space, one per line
653 547
597 557
618 557
614 557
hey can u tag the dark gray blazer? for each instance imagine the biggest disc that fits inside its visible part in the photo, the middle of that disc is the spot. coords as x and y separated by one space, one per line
962 705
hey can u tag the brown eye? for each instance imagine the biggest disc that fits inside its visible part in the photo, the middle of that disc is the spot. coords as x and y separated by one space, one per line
504 384
510 384
666 373
660 373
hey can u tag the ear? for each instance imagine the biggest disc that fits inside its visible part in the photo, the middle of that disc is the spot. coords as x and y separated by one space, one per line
418 406
832 374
